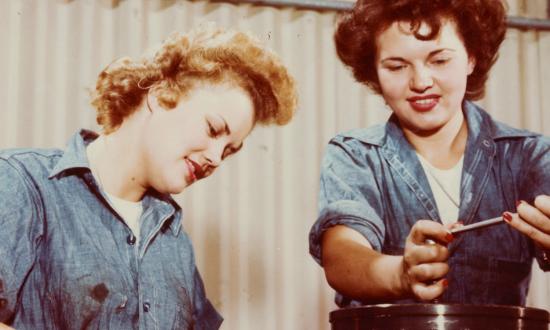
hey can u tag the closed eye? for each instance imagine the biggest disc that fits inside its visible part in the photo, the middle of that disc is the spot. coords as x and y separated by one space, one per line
211 130
394 64
395 68
230 151
441 61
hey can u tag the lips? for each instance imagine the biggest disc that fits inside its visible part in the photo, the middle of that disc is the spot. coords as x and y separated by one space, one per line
195 170
423 103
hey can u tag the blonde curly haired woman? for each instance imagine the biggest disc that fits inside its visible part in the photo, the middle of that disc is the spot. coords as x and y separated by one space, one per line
90 235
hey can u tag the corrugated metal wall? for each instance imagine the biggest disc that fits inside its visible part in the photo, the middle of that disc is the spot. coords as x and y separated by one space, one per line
249 222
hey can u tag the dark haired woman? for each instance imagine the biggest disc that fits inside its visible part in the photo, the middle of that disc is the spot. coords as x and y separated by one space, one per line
389 194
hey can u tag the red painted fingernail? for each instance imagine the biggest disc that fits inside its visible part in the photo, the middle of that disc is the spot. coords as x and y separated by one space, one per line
507 216
449 237
445 282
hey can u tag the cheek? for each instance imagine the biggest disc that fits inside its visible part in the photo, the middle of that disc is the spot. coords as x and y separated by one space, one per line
455 78
392 86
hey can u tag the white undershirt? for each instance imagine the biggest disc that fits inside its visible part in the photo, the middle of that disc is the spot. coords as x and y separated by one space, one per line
129 211
445 183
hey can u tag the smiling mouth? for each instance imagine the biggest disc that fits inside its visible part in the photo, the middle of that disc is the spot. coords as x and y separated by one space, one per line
423 103
195 170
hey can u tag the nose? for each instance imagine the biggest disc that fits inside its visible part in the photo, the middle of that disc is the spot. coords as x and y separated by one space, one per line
214 153
421 79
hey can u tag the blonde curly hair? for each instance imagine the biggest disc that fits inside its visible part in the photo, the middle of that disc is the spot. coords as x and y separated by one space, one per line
206 54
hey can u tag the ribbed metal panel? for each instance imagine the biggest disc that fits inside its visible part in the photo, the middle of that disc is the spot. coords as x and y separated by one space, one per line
250 221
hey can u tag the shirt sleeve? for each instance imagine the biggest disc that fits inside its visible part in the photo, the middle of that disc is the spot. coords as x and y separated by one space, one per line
536 181
20 234
206 316
348 194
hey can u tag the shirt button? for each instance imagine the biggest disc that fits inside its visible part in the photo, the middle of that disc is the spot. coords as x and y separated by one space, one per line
3 303
146 307
486 143
131 239
122 306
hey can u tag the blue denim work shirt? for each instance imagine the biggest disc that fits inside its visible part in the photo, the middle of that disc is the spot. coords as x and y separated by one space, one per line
69 261
372 181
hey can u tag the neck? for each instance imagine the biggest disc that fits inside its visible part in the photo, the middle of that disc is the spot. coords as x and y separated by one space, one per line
113 160
444 147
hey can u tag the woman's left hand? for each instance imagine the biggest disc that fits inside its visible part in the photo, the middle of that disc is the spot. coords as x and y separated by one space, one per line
533 220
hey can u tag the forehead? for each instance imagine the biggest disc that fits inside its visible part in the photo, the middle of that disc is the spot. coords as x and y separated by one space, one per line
228 101
399 39
219 97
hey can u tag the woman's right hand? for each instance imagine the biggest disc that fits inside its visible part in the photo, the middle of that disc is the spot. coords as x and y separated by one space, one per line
5 327
425 260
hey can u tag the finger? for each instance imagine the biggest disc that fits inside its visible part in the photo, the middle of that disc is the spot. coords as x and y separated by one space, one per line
534 216
427 229
540 238
429 253
428 272
542 202
426 292
454 225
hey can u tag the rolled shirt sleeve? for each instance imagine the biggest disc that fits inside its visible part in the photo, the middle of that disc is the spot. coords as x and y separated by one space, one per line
348 194
536 181
206 317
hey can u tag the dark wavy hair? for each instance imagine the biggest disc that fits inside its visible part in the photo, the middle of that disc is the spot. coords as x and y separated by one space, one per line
481 24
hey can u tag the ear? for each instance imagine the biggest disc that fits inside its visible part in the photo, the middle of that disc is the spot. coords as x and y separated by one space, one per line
471 64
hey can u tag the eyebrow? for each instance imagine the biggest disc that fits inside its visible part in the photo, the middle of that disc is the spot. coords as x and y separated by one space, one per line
432 53
226 128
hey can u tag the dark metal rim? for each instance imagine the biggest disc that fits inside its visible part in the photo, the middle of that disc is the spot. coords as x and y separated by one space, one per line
526 313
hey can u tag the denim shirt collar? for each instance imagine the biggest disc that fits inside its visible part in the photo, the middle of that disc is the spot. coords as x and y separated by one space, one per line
160 206
74 156
483 132
480 127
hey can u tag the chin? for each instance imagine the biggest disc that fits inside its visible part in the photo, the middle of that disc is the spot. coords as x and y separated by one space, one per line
178 189
173 188
425 128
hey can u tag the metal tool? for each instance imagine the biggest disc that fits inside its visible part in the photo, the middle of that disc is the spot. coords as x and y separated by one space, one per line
478 225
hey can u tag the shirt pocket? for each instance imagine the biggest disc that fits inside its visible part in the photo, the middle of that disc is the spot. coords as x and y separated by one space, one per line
176 305
79 294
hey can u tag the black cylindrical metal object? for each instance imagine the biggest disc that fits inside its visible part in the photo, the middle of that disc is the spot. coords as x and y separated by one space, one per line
439 317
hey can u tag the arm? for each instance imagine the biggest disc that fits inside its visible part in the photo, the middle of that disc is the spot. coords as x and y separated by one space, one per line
356 270
21 228
533 213
206 316
350 230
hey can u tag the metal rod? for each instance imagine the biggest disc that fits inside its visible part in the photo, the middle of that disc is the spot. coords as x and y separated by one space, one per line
529 23
338 5
478 225
300 4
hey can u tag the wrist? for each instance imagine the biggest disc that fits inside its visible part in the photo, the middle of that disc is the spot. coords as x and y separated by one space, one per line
402 282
